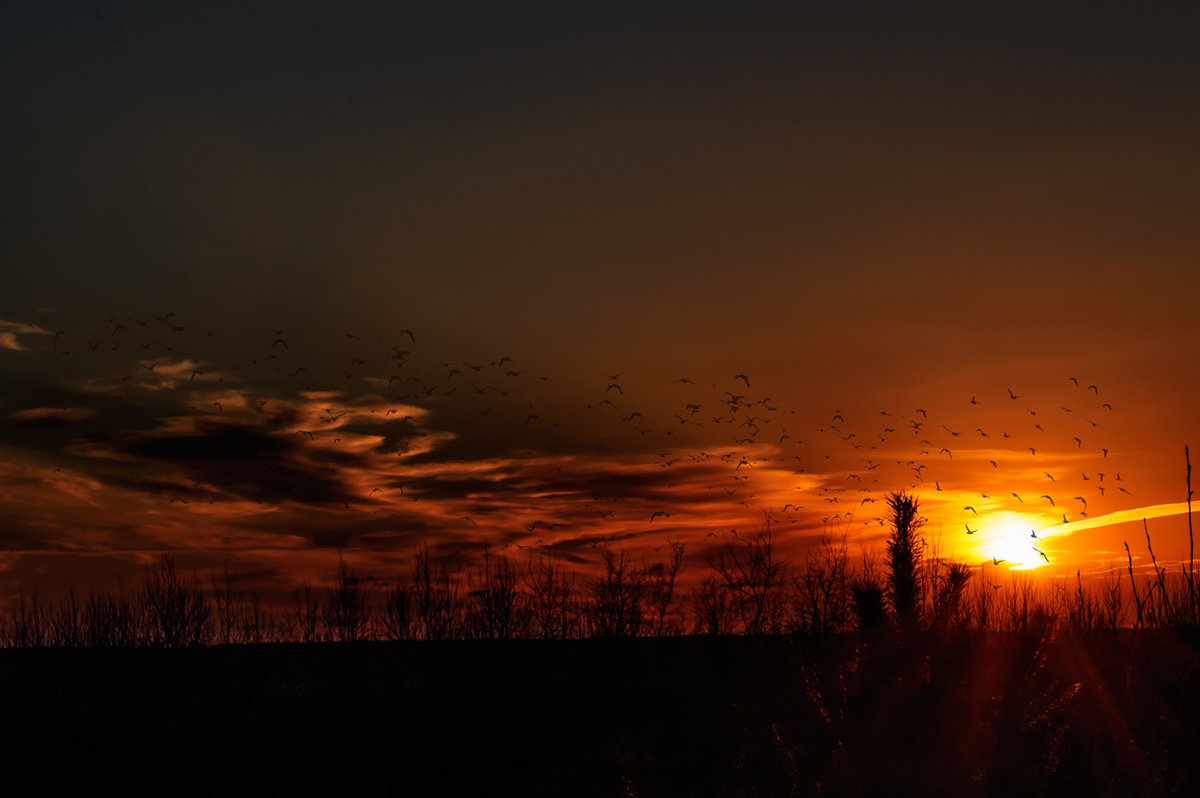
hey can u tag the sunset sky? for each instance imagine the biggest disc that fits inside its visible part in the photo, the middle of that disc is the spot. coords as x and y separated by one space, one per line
295 283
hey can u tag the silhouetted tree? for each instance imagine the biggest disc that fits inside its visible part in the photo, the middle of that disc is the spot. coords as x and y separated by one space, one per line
345 608
111 620
225 606
754 577
551 601
29 626
493 596
176 612
904 577
617 607
666 618
306 618
948 582
713 607
822 588
66 627
258 624
398 612
436 595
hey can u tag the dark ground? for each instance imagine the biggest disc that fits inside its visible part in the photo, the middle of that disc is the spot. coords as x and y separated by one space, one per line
1034 714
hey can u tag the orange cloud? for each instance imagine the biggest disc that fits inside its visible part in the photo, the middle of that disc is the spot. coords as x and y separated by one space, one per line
9 330
53 414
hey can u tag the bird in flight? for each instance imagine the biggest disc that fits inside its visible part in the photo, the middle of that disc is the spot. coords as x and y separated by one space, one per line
1012 395
659 513
743 378
1048 498
969 530
972 509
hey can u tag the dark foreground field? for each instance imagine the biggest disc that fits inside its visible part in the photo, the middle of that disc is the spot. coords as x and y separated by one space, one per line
1032 714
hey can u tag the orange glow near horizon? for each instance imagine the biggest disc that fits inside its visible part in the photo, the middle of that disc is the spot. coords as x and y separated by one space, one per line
272 475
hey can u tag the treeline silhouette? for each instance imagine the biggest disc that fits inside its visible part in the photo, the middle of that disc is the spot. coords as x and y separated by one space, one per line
746 589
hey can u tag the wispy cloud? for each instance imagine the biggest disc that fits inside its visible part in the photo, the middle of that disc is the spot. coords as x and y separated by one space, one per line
1122 517
10 330
53 415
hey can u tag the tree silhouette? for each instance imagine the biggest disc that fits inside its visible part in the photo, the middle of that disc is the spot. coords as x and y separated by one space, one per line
904 578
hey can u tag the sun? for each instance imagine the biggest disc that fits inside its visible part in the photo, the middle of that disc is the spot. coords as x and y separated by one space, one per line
1006 536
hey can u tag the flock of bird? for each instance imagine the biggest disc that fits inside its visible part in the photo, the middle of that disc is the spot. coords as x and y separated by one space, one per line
685 442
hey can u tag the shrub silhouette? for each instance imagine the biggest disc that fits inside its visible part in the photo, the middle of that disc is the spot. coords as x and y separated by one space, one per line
868 606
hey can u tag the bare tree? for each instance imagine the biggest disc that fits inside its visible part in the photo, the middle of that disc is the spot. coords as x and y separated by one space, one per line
111 619
225 606
754 577
345 608
712 605
258 624
66 627
177 612
616 606
29 626
823 589
307 614
437 601
666 617
493 596
551 600
398 612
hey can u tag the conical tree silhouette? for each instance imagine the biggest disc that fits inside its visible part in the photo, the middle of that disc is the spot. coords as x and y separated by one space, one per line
904 577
